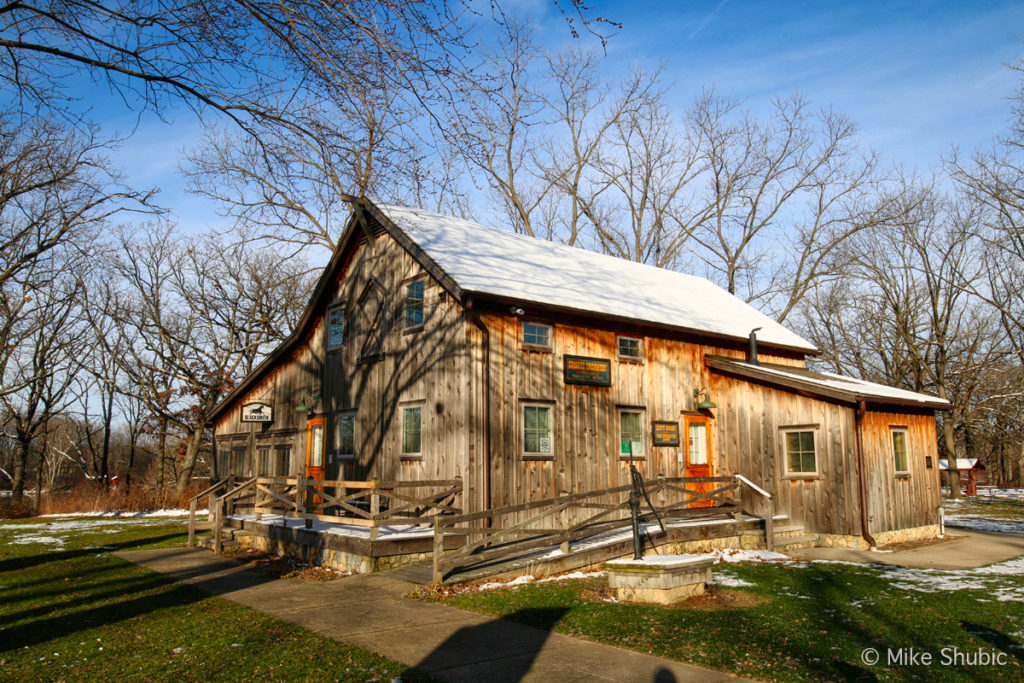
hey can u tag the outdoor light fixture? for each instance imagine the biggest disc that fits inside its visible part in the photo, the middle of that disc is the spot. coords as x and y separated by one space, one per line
518 312
706 404
302 407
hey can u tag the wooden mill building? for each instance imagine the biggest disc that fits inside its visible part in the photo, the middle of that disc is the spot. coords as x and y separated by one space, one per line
436 348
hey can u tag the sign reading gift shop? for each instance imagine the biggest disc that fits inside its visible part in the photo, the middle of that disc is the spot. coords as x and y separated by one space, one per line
666 433
257 412
594 372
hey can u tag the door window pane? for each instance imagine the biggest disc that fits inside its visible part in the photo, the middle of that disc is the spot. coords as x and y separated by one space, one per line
316 452
698 443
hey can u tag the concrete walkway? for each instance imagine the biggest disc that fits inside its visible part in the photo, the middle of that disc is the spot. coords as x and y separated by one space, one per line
368 611
961 549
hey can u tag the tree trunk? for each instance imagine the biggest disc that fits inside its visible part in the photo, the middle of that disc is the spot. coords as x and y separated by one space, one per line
191 455
949 444
20 465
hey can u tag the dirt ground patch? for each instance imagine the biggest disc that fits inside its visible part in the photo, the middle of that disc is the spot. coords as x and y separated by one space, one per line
919 543
285 567
714 598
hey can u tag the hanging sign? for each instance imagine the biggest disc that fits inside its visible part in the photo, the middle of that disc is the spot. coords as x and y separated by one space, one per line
595 372
257 412
665 433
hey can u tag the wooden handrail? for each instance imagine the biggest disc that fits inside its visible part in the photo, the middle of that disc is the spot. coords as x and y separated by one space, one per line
193 504
545 520
769 519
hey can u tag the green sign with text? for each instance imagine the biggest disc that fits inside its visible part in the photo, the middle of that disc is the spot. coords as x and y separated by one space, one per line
666 433
594 372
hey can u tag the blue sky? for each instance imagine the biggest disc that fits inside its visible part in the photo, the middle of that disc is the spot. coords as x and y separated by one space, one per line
917 77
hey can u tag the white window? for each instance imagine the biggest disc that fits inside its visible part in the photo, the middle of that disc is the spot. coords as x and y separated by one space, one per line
631 433
697 442
335 327
536 334
346 436
801 454
899 450
537 430
631 348
412 430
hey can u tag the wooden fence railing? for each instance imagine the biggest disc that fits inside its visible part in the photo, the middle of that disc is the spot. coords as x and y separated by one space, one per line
372 504
503 532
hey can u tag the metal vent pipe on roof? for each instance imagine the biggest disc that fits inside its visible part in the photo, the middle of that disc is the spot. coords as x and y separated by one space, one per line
752 351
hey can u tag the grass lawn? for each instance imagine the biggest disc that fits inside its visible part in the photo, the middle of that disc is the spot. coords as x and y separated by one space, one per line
801 621
69 610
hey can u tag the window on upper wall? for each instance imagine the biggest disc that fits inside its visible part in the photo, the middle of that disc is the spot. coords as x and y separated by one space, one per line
537 335
414 304
283 458
537 439
412 431
631 433
801 455
899 450
346 436
237 466
631 348
335 327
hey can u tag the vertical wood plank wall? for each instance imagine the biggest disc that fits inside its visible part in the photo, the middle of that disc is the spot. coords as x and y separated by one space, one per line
435 368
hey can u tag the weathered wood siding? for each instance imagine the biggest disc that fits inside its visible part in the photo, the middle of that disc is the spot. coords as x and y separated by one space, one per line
901 501
435 368
586 419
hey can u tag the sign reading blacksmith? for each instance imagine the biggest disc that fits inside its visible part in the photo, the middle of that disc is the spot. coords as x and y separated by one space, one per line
594 372
257 412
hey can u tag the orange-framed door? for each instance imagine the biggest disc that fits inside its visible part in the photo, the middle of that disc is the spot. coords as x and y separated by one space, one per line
698 455
315 439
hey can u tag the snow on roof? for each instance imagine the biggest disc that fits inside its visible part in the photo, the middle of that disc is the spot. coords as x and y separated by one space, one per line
961 463
499 263
827 380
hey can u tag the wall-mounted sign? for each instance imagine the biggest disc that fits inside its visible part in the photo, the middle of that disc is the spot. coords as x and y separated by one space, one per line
257 412
595 372
665 433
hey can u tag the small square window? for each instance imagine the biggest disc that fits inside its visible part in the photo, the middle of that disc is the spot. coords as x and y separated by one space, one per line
346 435
335 327
412 423
631 433
631 348
414 304
899 450
801 456
537 430
535 334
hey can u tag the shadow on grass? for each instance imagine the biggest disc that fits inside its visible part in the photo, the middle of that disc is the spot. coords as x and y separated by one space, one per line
29 561
997 639
496 650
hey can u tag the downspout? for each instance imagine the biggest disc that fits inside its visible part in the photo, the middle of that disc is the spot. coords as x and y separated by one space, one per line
486 380
859 425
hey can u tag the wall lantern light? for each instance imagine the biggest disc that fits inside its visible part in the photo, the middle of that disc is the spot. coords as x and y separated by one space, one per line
313 397
706 404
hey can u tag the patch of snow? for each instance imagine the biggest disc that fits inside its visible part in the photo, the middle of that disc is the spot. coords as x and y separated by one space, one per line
1013 526
734 555
728 581
128 515
661 560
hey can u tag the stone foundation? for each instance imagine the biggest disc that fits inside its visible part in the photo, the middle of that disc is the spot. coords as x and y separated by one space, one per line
881 537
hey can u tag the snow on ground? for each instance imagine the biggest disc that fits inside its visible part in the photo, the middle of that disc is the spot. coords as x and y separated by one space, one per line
57 532
385 532
1013 526
733 555
128 515
728 581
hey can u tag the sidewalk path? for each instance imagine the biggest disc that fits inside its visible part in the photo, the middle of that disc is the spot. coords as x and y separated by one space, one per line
368 611
962 549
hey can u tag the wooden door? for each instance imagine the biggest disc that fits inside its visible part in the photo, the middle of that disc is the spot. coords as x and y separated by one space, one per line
315 448
698 455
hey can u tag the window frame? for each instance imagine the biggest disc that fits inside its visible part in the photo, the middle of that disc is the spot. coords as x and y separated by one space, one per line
784 432
283 450
532 345
263 460
404 454
332 309
339 455
639 358
893 431
643 434
414 327
537 455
